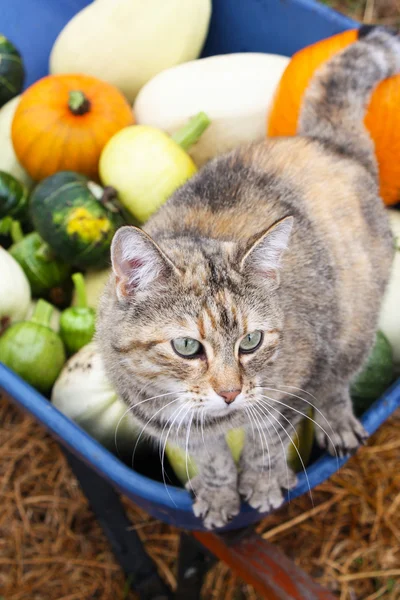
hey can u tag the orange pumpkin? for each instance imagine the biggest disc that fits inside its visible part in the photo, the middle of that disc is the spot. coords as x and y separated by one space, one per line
63 122
382 118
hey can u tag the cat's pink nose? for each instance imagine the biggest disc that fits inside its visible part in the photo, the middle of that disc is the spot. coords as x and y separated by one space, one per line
229 395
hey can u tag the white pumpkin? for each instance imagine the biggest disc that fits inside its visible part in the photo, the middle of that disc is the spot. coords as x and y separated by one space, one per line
15 292
85 395
389 321
127 42
234 90
8 160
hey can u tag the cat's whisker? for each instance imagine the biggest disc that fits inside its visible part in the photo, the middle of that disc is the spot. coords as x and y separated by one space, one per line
304 400
163 473
251 423
202 431
296 443
124 415
132 408
251 418
183 418
298 454
161 438
299 389
258 424
171 421
306 417
177 433
178 411
148 422
256 407
187 452
283 417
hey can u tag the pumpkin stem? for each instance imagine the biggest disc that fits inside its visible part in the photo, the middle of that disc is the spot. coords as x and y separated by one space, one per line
78 102
42 313
79 284
44 253
16 232
5 225
191 132
109 197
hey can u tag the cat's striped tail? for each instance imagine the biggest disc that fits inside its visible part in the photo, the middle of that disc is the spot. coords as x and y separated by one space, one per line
334 104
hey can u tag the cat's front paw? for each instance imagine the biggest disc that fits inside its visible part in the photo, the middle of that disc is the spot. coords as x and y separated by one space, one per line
342 436
216 506
263 491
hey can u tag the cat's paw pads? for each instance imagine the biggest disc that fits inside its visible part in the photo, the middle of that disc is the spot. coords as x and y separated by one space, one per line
341 438
263 491
215 506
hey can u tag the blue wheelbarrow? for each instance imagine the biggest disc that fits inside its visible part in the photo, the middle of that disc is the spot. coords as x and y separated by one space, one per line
276 26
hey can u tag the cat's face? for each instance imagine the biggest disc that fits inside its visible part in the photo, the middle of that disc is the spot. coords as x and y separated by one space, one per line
201 327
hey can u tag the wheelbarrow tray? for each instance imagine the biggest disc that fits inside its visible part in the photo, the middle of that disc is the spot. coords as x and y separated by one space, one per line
276 26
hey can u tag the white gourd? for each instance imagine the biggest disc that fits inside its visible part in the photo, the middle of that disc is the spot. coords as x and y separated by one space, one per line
15 292
389 321
127 42
234 90
84 394
8 160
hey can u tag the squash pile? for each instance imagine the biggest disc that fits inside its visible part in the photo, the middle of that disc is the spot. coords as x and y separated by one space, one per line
77 161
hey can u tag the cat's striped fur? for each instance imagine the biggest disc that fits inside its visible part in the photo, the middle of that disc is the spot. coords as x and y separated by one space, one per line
210 272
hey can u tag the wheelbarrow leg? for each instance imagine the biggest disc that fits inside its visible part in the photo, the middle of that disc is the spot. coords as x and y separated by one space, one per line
193 563
125 542
263 566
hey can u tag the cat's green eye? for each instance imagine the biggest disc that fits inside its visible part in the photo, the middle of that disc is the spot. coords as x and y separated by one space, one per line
251 342
187 347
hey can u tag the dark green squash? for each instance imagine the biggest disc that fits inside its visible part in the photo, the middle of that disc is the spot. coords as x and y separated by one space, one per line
375 377
13 197
12 72
76 217
42 269
5 232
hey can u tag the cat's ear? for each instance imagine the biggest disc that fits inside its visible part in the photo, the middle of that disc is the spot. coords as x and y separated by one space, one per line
264 252
138 263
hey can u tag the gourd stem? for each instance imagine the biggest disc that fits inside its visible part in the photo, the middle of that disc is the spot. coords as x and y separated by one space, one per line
5 225
79 283
16 232
45 253
190 133
42 313
78 102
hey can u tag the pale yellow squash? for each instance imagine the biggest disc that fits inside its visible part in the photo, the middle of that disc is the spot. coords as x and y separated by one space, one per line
127 42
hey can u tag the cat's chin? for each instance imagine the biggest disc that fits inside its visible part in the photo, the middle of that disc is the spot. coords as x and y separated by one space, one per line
224 413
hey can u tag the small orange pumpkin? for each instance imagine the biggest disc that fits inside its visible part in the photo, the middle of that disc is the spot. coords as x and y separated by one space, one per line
63 122
382 118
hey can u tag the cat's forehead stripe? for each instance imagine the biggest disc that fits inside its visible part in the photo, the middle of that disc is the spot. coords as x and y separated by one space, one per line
210 316
201 327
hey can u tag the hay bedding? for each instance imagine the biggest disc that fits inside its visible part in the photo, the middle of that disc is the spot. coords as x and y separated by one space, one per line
51 547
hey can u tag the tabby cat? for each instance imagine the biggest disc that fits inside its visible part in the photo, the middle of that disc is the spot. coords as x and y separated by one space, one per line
254 292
